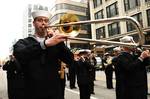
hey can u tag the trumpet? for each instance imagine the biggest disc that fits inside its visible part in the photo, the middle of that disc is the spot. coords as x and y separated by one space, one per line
70 25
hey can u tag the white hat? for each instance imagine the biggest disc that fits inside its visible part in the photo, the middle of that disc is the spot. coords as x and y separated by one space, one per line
76 52
117 49
127 39
41 13
106 54
85 50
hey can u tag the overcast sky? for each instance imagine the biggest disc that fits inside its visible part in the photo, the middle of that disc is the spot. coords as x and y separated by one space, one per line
11 21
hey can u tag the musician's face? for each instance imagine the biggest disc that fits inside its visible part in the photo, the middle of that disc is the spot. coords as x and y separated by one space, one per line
129 48
40 24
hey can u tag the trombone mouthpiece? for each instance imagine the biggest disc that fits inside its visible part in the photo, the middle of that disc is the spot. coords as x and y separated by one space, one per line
43 26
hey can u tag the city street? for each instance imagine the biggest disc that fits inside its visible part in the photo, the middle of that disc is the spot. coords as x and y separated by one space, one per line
43 34
101 92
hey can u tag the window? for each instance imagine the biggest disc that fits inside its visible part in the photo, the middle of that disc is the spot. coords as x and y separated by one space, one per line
147 0
148 17
100 33
70 7
29 25
46 8
29 31
112 10
57 16
97 3
99 15
113 29
138 17
29 20
129 4
41 7
29 12
35 7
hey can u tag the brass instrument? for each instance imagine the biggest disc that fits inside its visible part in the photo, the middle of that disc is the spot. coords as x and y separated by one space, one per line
69 30
62 70
70 25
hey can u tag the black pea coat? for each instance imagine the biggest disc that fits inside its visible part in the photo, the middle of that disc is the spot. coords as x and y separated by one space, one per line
15 82
72 76
92 63
41 67
109 73
131 77
83 78
109 76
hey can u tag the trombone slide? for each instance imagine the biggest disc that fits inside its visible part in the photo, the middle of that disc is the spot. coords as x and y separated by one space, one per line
114 19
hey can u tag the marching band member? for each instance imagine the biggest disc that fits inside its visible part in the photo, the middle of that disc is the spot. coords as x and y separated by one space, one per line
83 68
40 56
108 70
131 77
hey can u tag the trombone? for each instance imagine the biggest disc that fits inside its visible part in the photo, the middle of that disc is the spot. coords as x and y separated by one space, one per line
70 25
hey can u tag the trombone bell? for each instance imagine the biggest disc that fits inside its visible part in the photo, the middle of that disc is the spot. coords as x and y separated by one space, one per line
71 30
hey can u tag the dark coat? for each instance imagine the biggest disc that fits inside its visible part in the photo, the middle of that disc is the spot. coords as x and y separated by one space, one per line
92 63
83 72
15 80
41 66
83 78
131 77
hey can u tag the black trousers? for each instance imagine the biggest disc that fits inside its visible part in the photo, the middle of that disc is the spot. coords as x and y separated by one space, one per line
134 92
15 86
109 79
63 84
84 91
72 77
52 96
91 87
72 80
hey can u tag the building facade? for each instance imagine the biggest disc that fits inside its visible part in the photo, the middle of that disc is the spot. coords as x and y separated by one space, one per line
138 9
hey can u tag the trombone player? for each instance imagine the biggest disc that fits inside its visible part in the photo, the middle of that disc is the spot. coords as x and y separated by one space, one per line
39 57
131 77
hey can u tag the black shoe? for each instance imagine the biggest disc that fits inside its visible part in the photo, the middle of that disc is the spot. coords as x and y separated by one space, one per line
93 93
110 88
73 87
